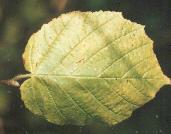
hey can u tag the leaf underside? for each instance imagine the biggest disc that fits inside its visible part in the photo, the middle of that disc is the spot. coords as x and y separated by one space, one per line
88 67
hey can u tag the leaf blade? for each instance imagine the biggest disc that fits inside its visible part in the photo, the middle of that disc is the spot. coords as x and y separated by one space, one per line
90 66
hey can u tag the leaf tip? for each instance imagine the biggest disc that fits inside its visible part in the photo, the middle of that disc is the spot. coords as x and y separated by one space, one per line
169 81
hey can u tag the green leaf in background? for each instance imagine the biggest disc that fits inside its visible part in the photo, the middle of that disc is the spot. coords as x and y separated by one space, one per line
88 67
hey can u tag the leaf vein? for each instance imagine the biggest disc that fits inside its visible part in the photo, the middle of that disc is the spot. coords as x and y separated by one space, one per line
108 44
129 102
97 100
51 45
135 65
53 100
121 58
85 37
82 109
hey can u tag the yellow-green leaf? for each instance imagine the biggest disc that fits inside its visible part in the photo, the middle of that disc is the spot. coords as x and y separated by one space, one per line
90 66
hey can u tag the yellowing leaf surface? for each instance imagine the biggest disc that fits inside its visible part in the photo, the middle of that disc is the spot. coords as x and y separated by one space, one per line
88 67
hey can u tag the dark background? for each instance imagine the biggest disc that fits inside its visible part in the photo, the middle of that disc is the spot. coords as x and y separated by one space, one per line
20 18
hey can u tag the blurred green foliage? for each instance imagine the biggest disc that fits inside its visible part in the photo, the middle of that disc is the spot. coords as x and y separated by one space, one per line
19 19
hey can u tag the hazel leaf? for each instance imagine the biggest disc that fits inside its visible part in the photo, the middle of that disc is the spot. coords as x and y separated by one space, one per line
90 66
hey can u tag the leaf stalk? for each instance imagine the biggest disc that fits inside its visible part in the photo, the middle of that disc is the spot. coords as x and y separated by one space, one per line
14 81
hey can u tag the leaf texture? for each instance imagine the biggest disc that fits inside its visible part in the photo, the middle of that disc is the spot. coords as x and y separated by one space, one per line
88 67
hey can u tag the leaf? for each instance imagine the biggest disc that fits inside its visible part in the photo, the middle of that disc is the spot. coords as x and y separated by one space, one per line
88 67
